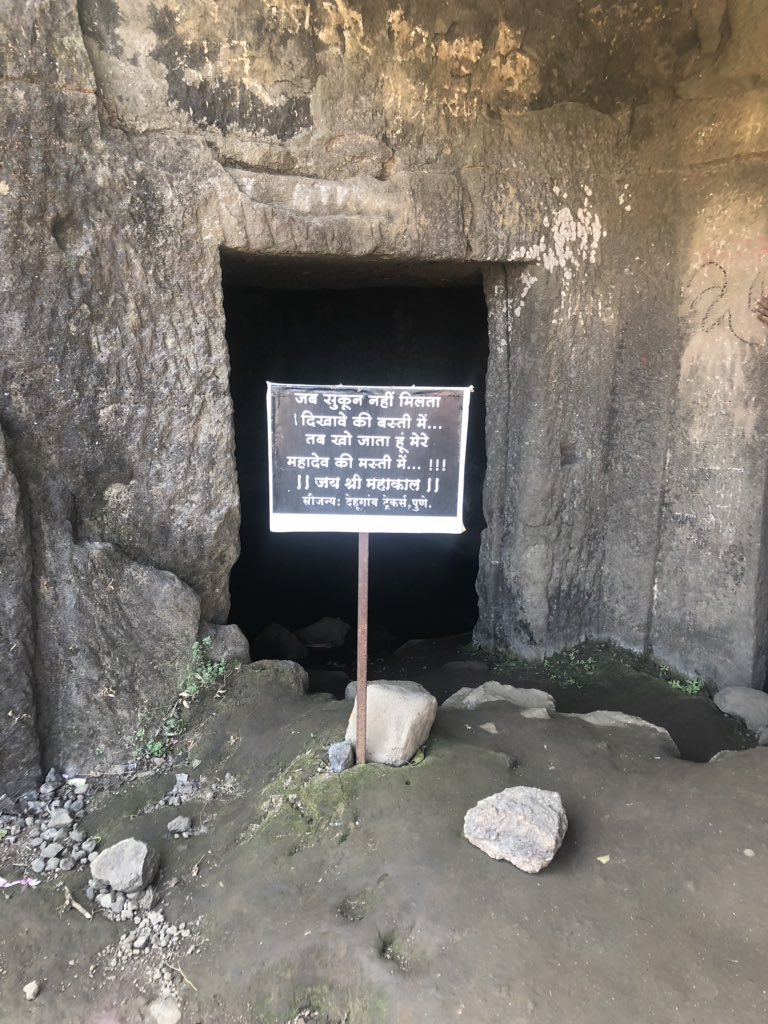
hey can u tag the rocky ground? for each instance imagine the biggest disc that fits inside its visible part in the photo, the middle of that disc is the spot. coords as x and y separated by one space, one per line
294 894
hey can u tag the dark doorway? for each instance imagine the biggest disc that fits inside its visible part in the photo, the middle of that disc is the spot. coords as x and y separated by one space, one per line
337 323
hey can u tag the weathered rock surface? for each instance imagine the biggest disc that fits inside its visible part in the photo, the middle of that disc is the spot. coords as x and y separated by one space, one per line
399 717
608 719
127 866
19 750
468 699
522 824
227 644
179 824
285 675
751 706
136 626
341 756
326 632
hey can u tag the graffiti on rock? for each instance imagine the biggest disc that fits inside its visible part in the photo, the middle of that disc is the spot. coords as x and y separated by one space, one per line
716 303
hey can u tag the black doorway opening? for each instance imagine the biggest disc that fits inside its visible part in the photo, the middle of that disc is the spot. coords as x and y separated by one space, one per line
334 322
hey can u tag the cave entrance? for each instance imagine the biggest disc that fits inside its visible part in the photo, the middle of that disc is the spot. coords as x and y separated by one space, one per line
334 321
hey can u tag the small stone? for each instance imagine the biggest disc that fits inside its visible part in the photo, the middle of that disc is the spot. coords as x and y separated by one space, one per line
180 824
489 727
36 841
38 865
534 713
104 900
31 990
147 899
341 756
66 864
141 941
90 845
52 864
51 850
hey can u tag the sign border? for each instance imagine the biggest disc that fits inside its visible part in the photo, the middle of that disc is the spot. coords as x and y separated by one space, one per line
353 522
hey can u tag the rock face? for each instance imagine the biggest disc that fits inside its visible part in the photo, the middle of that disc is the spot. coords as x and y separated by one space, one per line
626 481
399 717
19 747
751 706
523 825
128 866
468 699
140 624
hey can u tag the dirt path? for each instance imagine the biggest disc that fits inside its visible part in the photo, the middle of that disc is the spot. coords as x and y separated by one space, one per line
356 895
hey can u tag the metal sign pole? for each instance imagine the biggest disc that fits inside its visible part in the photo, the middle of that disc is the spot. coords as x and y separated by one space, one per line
362 644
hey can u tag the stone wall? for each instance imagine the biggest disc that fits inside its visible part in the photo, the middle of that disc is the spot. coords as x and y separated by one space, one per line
600 159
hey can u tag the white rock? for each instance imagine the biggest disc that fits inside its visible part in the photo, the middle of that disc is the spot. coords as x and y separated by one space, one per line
179 824
126 866
489 727
606 719
751 706
165 1011
31 990
534 713
522 825
468 699
400 715
60 818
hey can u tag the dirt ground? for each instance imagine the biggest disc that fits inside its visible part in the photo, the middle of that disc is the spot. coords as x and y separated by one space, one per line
355 898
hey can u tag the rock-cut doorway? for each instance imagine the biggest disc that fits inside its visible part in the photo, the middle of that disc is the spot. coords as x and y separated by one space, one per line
352 322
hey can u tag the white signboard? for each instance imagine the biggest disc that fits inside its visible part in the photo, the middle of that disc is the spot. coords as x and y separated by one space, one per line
366 459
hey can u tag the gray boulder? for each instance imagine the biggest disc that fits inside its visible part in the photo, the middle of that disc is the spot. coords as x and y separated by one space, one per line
227 644
762 739
400 716
522 825
275 641
284 675
467 699
326 632
127 866
751 706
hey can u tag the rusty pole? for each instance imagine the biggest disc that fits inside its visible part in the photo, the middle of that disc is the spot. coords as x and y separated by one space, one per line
362 644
